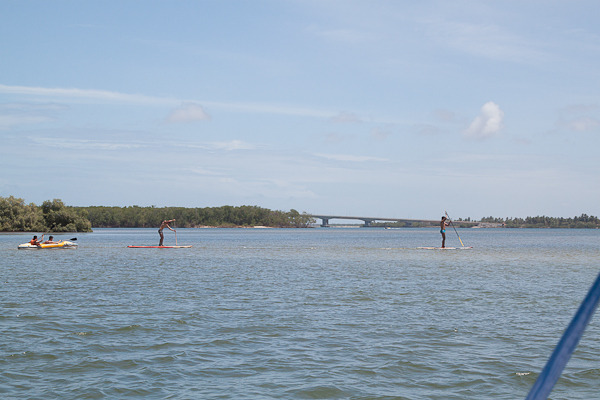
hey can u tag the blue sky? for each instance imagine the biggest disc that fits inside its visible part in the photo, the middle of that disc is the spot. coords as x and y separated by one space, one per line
381 108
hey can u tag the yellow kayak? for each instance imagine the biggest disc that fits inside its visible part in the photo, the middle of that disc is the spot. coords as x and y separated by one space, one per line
62 245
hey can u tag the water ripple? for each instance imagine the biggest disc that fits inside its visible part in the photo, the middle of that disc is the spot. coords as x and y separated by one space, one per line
296 314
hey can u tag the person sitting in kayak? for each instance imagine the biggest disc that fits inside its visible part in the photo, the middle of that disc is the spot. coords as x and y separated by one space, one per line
443 225
51 241
35 241
163 225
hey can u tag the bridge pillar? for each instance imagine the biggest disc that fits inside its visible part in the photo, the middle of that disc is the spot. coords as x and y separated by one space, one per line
325 222
368 222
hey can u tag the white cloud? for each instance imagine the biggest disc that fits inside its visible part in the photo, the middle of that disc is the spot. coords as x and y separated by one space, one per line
581 108
486 40
120 98
380 134
487 124
345 157
334 137
204 171
85 94
582 124
14 114
445 115
345 117
187 112
426 129
32 107
229 145
84 144
233 145
8 121
575 119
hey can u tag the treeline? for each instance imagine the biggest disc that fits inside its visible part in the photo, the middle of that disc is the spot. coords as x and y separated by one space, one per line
225 216
583 221
55 216
16 216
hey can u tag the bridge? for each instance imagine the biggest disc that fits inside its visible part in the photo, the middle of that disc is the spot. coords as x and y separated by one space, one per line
369 220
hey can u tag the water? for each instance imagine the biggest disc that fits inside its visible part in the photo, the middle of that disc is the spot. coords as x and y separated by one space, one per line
296 314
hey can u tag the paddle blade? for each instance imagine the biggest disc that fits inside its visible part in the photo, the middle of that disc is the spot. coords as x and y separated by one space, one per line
73 239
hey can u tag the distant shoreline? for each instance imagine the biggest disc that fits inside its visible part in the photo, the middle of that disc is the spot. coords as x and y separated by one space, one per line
55 216
271 227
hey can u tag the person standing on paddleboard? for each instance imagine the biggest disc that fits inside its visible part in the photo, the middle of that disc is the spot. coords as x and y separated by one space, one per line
163 225
443 225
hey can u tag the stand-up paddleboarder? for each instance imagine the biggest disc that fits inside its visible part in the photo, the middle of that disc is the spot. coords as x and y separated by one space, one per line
163 225
443 225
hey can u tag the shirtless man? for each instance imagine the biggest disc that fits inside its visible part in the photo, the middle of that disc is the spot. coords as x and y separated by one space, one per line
443 225
51 240
163 225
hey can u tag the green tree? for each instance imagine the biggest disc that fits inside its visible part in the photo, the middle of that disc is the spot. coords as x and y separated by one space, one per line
300 220
16 216
60 218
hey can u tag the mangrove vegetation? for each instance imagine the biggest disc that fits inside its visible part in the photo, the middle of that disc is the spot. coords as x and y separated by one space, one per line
584 221
52 215
224 216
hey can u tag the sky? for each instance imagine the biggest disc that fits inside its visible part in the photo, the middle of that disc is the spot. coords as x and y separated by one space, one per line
396 109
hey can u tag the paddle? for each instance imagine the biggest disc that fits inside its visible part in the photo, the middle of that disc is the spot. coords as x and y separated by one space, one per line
43 234
174 230
73 239
49 229
566 346
454 228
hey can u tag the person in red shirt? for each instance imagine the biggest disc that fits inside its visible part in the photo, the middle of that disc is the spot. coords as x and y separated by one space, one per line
35 240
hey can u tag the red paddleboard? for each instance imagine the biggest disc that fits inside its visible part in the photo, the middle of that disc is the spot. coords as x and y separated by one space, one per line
445 248
159 247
